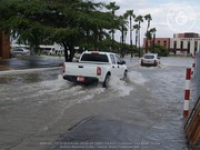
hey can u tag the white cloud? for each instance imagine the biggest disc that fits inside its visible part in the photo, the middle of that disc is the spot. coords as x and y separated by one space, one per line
169 16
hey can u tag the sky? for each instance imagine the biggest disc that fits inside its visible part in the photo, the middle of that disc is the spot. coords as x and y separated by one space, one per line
168 16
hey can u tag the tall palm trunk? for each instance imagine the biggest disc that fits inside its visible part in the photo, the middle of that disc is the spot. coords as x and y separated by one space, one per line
147 38
122 46
139 40
148 18
136 38
131 42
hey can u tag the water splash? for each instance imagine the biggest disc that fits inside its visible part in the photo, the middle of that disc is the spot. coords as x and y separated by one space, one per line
120 86
136 77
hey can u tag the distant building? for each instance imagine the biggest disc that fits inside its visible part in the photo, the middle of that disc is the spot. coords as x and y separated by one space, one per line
185 43
181 43
165 42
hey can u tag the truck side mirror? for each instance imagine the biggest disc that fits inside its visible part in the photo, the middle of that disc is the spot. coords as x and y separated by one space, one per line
121 63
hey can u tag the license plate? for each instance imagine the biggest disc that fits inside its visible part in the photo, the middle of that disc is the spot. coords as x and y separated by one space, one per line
148 62
81 79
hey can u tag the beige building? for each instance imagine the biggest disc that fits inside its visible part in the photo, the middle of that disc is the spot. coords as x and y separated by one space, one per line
185 43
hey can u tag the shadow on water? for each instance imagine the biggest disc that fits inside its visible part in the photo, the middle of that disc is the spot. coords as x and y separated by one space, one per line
23 78
28 64
29 77
18 64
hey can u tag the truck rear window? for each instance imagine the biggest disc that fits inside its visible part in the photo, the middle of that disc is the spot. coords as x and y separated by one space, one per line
94 57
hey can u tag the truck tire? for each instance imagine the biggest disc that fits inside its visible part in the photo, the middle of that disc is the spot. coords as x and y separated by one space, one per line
106 81
125 76
156 64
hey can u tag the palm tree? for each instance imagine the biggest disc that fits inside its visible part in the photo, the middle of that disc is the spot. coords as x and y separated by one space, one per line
130 14
122 26
136 28
113 7
153 34
93 24
139 19
148 18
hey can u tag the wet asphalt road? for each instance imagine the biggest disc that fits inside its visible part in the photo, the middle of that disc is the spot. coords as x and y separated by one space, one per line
39 110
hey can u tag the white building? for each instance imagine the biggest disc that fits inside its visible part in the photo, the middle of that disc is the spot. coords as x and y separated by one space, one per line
185 43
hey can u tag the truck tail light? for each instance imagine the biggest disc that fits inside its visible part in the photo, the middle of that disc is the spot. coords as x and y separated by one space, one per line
64 67
98 71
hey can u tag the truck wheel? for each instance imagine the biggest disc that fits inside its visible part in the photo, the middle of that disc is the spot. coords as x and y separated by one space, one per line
156 64
125 74
106 81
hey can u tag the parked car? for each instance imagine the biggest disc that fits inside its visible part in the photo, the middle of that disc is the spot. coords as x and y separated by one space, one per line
19 52
44 51
95 66
53 51
150 59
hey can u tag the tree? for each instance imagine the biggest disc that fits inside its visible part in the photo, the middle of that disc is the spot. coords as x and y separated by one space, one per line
66 22
139 19
18 21
69 23
130 14
123 29
148 18
152 34
113 7
136 28
160 50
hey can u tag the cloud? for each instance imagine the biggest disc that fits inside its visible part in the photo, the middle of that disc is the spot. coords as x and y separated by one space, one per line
169 16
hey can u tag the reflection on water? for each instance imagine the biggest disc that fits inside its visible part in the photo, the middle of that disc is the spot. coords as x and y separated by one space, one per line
23 78
28 63
29 77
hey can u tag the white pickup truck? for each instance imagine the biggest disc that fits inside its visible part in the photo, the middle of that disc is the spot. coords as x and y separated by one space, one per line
95 66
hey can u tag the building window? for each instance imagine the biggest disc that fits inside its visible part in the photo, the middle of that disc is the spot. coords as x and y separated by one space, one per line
159 42
165 43
188 47
175 45
195 46
181 45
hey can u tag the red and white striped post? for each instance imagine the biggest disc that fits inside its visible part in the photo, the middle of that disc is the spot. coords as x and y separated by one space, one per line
187 93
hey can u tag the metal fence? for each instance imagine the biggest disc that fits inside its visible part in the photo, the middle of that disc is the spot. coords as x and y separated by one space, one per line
197 73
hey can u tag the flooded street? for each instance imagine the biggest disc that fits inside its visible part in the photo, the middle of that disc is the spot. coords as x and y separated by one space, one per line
41 111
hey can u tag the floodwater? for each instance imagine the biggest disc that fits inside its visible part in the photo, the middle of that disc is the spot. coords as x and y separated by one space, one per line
41 111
